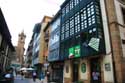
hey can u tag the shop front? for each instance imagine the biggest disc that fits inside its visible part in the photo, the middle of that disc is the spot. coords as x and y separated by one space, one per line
56 72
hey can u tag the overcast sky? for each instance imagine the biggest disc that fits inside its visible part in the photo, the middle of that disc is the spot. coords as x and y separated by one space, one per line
23 14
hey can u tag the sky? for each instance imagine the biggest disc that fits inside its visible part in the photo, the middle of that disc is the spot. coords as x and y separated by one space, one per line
24 14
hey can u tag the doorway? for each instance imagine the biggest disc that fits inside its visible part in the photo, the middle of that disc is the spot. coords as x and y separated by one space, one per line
75 70
95 70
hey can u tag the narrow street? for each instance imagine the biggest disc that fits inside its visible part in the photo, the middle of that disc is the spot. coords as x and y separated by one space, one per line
18 79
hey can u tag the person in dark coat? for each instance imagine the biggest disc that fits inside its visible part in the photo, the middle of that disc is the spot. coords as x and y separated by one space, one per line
34 76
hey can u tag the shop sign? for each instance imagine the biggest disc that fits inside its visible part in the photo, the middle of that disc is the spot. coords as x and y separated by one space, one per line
71 52
107 67
74 51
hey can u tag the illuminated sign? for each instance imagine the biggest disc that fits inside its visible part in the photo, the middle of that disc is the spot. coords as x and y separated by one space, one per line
74 51
71 52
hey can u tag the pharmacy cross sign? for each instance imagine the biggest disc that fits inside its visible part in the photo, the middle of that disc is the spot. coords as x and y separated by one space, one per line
94 43
74 51
71 52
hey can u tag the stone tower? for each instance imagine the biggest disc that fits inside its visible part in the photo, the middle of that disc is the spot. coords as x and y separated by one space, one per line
20 47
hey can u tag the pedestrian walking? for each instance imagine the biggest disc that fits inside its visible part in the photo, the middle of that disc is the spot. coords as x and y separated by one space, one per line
95 76
48 76
22 75
9 77
42 76
34 76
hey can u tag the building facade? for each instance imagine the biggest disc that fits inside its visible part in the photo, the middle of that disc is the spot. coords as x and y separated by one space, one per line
45 21
44 38
36 40
39 58
6 47
115 10
85 42
55 60
28 60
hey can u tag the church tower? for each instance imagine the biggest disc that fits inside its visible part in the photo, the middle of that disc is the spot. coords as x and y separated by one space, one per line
20 47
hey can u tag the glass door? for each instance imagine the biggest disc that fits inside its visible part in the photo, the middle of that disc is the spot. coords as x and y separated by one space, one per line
75 66
95 71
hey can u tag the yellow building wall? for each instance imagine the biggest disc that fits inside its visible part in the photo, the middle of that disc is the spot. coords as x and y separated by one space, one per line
41 51
44 22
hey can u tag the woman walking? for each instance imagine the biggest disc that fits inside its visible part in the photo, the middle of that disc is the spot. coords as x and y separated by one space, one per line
42 77
34 76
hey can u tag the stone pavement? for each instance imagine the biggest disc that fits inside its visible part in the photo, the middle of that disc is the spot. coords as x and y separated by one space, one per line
18 79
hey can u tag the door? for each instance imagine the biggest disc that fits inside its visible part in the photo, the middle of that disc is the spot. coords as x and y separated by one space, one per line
95 71
75 66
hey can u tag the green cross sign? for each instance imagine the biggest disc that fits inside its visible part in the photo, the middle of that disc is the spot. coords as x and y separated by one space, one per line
71 52
74 51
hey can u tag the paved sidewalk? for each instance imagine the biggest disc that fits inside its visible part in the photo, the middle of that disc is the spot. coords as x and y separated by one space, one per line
18 79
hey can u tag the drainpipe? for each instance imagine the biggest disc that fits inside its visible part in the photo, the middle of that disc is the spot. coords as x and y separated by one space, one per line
112 54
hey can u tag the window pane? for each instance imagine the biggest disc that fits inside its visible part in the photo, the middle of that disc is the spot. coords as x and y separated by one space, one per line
63 12
67 25
78 27
98 19
71 4
123 13
62 36
76 2
62 29
66 34
82 25
67 8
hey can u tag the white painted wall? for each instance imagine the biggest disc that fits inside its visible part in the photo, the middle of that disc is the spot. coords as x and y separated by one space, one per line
118 6
105 27
67 75
108 75
0 39
83 76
